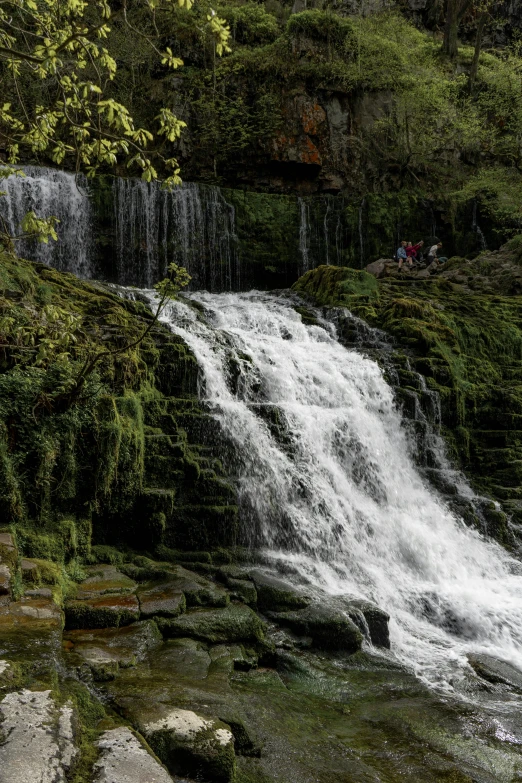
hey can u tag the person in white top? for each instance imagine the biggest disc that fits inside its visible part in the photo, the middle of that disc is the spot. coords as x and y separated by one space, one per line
432 255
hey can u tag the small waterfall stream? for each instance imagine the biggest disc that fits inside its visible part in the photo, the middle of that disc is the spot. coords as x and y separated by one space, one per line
333 492
49 192
192 225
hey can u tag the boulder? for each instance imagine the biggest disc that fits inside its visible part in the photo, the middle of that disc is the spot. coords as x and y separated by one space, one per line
243 589
276 595
233 623
163 600
496 671
377 268
330 629
124 759
106 650
371 620
38 738
190 744
105 611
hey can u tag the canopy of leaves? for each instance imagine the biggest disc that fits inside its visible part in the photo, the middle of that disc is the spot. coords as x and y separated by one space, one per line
57 73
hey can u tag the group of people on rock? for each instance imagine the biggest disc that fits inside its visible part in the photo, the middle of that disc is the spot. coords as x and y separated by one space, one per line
412 254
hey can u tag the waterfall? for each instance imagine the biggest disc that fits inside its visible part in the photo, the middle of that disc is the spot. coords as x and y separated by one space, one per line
304 235
191 225
476 228
361 235
47 193
329 487
326 234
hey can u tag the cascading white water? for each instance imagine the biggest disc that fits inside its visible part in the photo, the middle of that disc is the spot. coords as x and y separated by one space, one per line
338 498
47 193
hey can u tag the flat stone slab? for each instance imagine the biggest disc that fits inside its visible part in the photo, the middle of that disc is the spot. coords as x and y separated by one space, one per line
106 650
123 759
163 600
105 611
31 614
104 580
233 623
38 744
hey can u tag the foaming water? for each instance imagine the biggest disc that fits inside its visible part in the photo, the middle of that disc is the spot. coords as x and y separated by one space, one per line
329 487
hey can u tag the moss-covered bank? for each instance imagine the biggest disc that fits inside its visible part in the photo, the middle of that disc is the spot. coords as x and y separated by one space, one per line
122 459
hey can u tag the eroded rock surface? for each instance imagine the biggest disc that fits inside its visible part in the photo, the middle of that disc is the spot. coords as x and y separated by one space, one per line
105 650
38 739
124 759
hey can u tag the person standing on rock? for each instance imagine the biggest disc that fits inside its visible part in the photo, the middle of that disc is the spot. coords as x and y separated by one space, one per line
432 255
401 254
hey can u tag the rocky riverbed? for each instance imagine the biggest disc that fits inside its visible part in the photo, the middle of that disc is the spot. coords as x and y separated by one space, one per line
210 667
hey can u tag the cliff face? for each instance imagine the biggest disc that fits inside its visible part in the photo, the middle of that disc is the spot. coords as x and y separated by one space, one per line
329 100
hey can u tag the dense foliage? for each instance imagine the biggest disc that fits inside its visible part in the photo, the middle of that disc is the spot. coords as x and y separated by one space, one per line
57 62
426 131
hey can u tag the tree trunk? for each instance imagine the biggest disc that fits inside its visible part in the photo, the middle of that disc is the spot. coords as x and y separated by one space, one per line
476 56
455 10
450 45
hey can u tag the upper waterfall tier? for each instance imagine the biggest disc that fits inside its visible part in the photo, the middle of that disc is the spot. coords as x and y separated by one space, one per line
50 192
128 231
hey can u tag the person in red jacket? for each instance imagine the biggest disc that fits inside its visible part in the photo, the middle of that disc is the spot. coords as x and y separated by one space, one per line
411 252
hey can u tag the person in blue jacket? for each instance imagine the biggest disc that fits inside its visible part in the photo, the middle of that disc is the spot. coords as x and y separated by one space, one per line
401 254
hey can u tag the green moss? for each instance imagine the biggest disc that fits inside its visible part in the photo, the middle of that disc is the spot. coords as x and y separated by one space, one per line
234 623
90 716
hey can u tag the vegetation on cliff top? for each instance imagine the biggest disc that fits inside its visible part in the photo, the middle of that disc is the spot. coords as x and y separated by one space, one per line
421 125
409 118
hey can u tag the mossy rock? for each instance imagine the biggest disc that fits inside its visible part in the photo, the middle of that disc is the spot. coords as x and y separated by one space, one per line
106 611
190 744
233 623
330 629
161 600
107 650
276 595
104 580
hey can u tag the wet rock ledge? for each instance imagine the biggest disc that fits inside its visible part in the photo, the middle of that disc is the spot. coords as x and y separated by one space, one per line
206 667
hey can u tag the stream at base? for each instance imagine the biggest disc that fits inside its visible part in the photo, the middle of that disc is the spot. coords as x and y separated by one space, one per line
331 491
